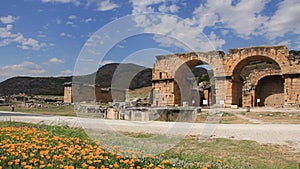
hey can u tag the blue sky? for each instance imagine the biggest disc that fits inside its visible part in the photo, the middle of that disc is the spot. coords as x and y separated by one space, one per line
54 37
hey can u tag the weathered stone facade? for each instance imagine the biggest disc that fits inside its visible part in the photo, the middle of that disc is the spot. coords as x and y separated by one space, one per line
172 76
74 92
68 93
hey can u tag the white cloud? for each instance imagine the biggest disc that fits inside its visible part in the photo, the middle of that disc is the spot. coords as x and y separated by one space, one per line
8 19
22 69
244 18
56 60
63 34
75 2
286 19
120 46
144 6
297 43
67 72
106 5
70 23
285 42
72 17
41 35
88 20
7 37
105 62
174 31
172 8
30 43
58 21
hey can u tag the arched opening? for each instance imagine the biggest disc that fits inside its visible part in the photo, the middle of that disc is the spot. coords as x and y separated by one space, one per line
242 88
270 91
194 84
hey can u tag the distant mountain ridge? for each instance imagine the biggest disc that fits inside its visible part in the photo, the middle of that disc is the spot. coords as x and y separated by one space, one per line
142 77
34 85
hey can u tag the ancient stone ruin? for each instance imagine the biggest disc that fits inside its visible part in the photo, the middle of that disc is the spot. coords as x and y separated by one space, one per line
253 76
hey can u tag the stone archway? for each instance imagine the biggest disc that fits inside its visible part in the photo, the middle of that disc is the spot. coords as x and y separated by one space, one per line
249 92
227 70
170 73
240 58
193 89
270 91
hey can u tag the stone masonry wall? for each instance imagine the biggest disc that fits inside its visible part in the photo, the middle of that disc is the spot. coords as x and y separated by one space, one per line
227 70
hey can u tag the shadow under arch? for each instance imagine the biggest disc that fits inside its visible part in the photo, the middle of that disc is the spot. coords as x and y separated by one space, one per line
270 91
187 89
244 68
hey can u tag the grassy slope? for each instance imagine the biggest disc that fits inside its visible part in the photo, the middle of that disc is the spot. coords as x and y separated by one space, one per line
241 154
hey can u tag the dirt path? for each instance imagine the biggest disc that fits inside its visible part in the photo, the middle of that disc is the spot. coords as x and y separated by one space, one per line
251 120
285 134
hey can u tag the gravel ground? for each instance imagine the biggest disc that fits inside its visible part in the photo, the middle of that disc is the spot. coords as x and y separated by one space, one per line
284 134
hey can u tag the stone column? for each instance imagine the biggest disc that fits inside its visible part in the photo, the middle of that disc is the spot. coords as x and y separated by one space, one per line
291 89
223 92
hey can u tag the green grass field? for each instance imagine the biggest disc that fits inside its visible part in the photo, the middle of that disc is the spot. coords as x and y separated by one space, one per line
189 153
49 109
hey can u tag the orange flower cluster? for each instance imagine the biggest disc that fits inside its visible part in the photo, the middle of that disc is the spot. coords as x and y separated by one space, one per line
24 147
31 148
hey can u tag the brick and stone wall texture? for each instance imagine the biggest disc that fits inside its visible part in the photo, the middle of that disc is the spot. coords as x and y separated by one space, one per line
68 94
230 76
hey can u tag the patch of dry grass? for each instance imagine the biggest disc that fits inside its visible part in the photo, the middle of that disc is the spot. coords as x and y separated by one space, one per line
275 117
244 154
49 109
140 93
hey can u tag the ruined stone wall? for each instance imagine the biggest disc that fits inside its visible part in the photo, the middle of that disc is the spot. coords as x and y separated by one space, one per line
256 75
164 93
172 76
83 93
250 85
228 71
292 89
68 94
103 95
238 58
270 91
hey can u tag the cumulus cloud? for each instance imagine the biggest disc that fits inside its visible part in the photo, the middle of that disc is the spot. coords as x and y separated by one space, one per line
7 37
58 21
63 34
72 17
88 20
75 2
67 72
246 18
70 23
285 42
173 31
29 43
105 62
172 8
144 6
56 60
286 19
243 18
22 69
107 5
8 19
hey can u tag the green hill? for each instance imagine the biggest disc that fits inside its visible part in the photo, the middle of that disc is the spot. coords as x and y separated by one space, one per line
134 75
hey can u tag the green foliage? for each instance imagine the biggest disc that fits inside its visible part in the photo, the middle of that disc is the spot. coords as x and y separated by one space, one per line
294 52
203 78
